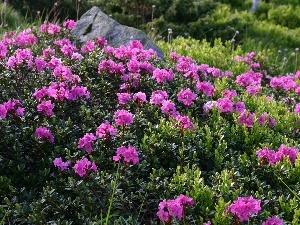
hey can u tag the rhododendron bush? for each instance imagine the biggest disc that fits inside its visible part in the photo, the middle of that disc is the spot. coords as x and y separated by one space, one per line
92 134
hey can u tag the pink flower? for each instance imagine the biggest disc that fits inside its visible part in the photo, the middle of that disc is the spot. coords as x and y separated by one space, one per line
253 89
86 142
297 108
168 107
70 24
128 154
133 65
225 104
62 165
266 119
207 223
162 75
123 117
249 78
44 133
3 111
239 106
167 209
229 93
186 96
88 47
76 92
46 106
139 96
185 123
158 96
206 87
243 207
267 154
209 106
20 111
105 129
25 38
274 220
285 151
83 166
246 118
123 98
40 63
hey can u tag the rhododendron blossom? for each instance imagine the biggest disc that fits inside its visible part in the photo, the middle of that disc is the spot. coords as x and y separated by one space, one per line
123 98
128 154
105 130
273 157
173 208
140 97
86 142
186 96
162 75
207 223
70 24
43 134
83 166
62 165
157 97
184 123
244 207
274 220
206 87
225 105
46 106
169 108
246 118
123 117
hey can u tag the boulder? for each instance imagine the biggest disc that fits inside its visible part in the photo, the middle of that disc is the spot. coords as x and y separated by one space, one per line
95 23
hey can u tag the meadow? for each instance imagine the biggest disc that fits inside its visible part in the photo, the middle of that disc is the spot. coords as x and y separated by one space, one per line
92 134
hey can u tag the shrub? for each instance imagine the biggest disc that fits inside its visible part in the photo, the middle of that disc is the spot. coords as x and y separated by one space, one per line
92 134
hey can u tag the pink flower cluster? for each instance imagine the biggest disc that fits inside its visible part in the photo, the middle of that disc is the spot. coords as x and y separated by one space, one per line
123 98
50 28
162 75
70 24
44 133
249 78
225 104
184 122
206 87
285 82
60 91
83 166
140 97
274 220
123 117
46 106
248 59
128 154
173 208
168 107
86 142
158 96
273 157
62 165
246 118
266 119
243 207
186 96
105 130
12 106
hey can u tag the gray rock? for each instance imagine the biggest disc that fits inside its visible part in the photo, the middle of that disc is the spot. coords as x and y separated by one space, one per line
95 23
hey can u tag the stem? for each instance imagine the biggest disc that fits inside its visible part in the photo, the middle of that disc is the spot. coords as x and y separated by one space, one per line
114 187
297 196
